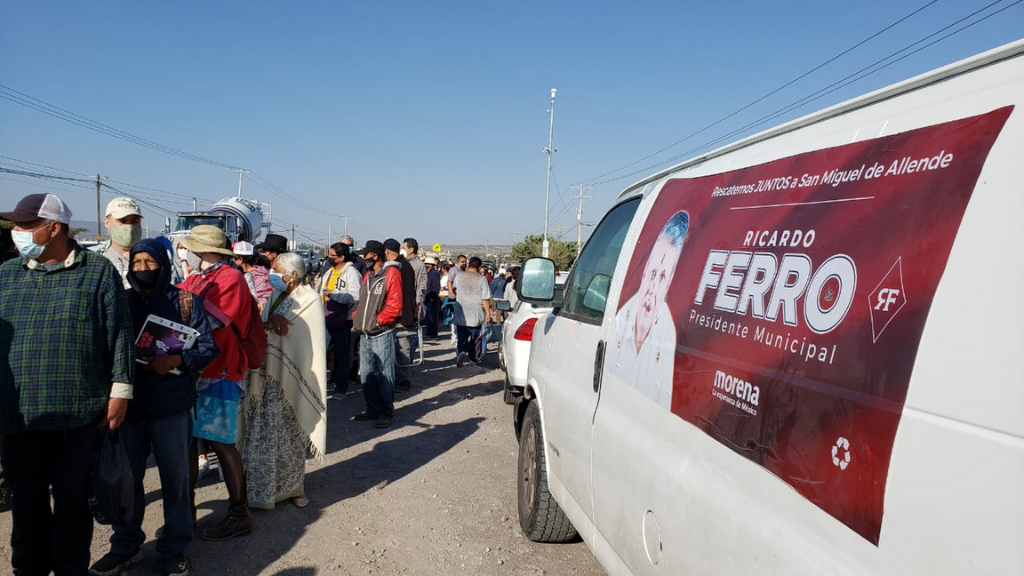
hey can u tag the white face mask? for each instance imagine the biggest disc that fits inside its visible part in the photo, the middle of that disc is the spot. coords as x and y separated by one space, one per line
402 252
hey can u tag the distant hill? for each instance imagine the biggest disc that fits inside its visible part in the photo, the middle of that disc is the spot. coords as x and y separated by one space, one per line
493 252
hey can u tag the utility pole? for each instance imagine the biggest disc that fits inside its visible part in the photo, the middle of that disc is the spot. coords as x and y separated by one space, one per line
240 172
99 213
346 219
549 151
579 219
330 239
293 236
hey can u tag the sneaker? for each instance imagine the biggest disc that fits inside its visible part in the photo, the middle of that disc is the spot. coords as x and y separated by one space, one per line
179 566
461 360
383 422
365 415
113 563
204 467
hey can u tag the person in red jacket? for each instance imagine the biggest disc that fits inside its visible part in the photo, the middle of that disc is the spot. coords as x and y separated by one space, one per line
380 306
221 385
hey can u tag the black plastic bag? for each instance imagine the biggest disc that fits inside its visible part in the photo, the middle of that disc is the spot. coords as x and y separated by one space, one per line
113 486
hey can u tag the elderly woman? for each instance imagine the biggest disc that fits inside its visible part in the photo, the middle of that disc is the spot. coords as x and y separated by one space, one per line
285 407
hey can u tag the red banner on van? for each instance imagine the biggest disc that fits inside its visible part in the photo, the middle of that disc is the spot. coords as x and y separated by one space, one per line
799 298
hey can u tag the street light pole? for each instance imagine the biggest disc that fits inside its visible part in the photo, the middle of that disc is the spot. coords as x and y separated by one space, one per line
240 172
547 194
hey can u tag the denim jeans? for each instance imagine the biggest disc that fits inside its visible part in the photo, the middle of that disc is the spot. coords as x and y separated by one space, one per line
45 540
341 339
467 336
168 438
377 373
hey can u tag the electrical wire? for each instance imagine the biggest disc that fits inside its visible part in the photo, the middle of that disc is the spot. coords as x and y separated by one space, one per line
23 99
831 88
767 95
33 103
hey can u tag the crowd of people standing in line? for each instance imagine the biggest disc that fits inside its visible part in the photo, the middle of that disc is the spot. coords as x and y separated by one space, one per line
252 387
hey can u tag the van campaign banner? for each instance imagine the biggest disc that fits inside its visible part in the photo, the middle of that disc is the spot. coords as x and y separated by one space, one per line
798 291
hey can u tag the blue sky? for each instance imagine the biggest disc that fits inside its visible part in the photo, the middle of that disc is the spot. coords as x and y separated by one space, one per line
425 119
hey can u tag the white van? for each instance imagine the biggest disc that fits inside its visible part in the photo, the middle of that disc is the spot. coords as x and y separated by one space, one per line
801 353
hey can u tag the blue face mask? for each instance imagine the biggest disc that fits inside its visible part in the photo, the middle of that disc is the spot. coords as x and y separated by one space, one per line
277 281
26 245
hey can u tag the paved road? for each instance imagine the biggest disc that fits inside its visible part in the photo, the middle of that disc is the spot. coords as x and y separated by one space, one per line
434 494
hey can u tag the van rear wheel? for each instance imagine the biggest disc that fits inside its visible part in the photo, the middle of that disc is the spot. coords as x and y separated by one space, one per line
540 516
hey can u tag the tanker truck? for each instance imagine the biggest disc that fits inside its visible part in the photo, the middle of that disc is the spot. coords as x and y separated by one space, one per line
240 219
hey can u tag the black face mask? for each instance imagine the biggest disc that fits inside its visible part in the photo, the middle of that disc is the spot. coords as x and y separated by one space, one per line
146 279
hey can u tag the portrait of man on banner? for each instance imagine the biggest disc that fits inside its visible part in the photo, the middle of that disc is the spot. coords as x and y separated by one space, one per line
642 350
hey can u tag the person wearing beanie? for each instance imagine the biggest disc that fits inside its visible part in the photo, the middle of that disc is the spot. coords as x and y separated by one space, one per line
407 322
159 420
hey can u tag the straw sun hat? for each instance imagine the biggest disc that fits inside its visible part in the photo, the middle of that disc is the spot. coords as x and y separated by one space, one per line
205 238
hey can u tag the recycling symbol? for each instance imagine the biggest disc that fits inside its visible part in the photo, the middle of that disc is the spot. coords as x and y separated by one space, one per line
841 453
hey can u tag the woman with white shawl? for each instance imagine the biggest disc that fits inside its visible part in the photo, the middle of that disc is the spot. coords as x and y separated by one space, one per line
285 404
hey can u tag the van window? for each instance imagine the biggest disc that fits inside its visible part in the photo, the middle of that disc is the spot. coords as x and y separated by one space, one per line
586 292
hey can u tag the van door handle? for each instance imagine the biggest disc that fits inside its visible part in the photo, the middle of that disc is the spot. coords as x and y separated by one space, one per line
599 365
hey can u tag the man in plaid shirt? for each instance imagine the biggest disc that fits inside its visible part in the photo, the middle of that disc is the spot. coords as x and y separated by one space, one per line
66 367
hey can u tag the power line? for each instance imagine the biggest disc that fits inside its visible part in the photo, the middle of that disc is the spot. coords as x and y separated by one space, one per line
769 94
27 163
23 99
831 88
762 98
33 103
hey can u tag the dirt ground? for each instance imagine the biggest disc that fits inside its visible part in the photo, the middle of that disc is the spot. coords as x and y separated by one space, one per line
433 494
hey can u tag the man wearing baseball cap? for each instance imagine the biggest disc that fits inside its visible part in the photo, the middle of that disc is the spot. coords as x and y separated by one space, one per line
431 298
124 225
380 306
68 364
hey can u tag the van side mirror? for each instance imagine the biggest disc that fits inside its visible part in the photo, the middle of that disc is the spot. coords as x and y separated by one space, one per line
503 305
537 280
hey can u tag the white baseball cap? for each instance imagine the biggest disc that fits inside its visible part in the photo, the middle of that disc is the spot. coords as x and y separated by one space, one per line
123 206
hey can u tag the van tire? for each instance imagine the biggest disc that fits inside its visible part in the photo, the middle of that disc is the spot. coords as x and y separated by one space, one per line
540 516
508 395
